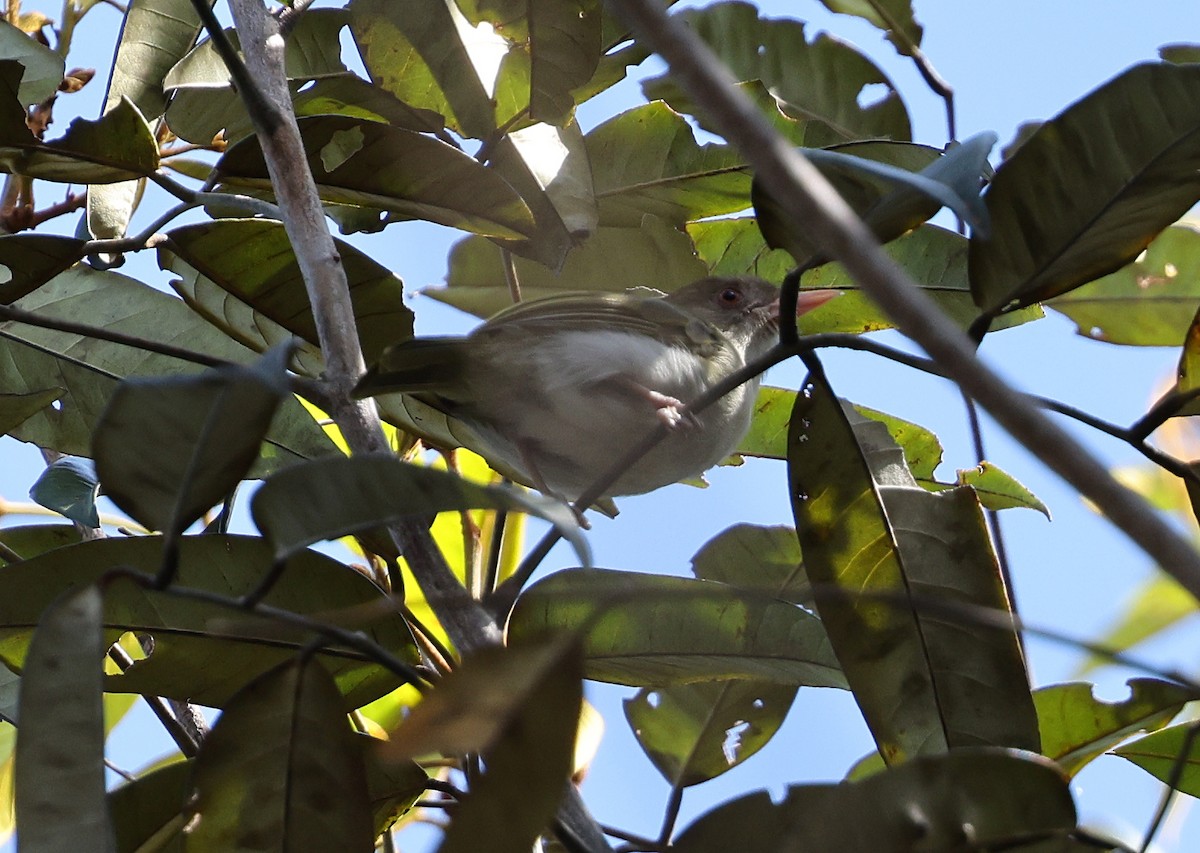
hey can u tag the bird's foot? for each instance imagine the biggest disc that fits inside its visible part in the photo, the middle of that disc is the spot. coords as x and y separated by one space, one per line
671 412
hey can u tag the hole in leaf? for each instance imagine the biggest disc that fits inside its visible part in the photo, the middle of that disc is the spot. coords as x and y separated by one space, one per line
872 95
732 744
130 648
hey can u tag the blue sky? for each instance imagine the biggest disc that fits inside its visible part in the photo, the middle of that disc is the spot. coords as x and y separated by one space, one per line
1008 63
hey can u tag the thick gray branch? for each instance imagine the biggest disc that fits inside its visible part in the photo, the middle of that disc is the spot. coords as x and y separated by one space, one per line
467 623
809 198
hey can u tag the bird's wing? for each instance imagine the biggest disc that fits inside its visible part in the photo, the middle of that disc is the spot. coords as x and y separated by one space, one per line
649 316
434 364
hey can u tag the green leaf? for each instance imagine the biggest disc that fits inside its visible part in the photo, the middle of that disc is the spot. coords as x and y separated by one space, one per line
253 261
549 167
997 489
119 146
520 707
893 16
613 259
766 559
1077 727
1089 190
696 732
876 546
428 56
397 170
62 729
30 260
191 659
334 497
15 409
69 487
32 539
154 36
1180 53
89 369
205 432
150 812
282 763
821 81
1006 797
42 68
562 42
646 160
1153 607
1150 302
651 630
936 258
1159 754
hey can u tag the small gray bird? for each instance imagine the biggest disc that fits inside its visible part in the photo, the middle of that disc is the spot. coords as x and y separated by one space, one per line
559 388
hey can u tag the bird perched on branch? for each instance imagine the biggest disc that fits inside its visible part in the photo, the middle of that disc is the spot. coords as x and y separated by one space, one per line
560 388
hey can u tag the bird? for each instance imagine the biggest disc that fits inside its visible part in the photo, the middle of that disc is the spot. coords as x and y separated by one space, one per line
559 388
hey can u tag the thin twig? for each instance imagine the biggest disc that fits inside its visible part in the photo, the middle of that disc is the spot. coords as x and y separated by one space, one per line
807 197
178 732
1161 412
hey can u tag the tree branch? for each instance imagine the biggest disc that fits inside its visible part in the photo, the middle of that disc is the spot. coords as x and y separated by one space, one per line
808 198
264 85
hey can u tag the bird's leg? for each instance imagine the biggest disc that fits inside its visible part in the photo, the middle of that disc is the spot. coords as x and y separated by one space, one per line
670 411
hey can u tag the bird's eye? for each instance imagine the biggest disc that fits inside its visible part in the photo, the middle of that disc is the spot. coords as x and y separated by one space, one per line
730 296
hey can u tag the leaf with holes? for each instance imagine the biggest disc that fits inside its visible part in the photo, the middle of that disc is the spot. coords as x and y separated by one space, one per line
877 547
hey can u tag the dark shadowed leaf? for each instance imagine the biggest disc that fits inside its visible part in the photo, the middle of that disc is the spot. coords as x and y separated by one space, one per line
1159 754
549 167
69 487
334 497
695 732
282 763
1150 302
89 369
416 51
29 540
1006 797
15 409
563 44
357 161
154 36
520 708
762 558
61 743
41 68
168 449
1077 727
119 146
27 261
1091 188
613 259
203 103
150 812
205 652
646 160
651 630
253 261
876 546
893 187
821 81
895 17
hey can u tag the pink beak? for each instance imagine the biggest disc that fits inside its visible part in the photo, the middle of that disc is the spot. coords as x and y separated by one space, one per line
810 299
